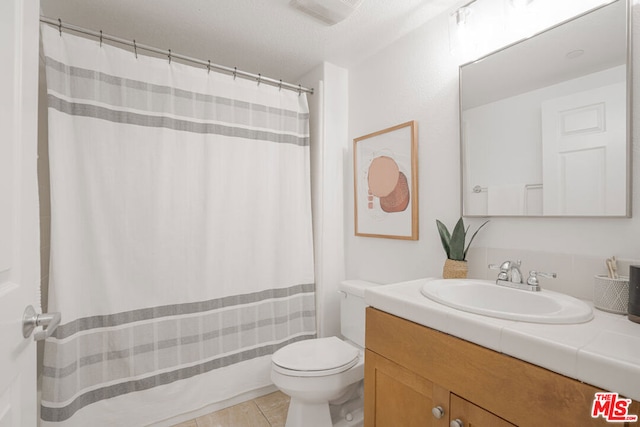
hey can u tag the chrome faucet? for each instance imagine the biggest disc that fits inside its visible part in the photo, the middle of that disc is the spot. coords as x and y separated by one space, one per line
511 276
509 271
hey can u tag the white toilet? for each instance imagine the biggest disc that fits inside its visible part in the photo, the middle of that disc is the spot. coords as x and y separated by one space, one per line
324 376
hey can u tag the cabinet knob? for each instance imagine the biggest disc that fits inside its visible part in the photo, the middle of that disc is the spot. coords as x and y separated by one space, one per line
456 423
437 412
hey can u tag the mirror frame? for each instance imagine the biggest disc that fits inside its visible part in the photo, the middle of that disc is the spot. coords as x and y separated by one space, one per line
629 118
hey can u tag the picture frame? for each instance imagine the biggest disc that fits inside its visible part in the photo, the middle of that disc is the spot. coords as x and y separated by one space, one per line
385 166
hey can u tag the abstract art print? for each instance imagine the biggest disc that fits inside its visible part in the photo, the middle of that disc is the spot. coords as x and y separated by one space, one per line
385 165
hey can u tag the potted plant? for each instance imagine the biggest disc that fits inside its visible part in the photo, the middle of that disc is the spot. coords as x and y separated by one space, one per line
455 267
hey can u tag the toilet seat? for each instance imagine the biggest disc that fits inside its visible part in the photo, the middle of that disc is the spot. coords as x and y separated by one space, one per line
315 357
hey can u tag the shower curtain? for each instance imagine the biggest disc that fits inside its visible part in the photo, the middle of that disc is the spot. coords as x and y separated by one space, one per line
181 239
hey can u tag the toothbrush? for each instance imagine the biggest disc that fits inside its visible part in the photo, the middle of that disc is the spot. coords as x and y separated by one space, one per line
609 268
614 267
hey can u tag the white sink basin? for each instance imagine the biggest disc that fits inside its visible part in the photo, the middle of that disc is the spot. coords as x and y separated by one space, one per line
486 298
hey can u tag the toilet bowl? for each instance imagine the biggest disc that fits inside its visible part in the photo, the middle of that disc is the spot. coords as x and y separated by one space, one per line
328 372
324 376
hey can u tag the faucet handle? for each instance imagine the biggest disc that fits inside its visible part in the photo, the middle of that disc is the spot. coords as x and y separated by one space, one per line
533 277
509 271
504 269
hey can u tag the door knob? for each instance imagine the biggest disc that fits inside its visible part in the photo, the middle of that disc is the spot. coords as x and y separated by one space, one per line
456 423
438 412
31 320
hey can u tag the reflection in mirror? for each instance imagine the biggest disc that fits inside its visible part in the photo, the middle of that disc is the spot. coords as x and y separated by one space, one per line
545 122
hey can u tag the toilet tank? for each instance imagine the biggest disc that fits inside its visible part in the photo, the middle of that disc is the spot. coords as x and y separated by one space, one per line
352 309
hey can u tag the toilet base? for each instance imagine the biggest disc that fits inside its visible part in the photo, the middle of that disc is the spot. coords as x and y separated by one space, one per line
319 415
308 414
347 411
349 414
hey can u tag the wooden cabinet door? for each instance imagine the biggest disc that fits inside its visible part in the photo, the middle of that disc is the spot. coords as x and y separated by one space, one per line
395 396
469 415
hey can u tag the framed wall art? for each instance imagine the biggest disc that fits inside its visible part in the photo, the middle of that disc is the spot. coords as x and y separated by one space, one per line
385 165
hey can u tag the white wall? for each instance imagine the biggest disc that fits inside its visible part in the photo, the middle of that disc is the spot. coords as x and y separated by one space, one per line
414 79
417 78
329 116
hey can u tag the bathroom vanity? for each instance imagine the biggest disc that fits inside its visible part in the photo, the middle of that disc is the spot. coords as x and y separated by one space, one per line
421 368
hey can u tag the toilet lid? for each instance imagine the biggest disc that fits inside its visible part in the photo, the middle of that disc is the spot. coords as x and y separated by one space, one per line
327 355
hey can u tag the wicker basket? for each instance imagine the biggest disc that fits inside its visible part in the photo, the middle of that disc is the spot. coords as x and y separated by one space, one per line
455 269
611 295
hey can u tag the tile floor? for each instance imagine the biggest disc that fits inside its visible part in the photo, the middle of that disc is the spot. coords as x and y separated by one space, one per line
265 411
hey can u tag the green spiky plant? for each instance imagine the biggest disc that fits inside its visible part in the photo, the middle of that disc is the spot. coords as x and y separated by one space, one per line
453 243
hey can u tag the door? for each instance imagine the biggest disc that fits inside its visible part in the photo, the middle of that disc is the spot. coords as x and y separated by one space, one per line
584 144
19 233
395 396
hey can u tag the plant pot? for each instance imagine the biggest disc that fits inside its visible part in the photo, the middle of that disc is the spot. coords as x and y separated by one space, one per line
454 269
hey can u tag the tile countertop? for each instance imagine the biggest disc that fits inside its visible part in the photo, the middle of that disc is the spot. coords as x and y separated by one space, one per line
604 352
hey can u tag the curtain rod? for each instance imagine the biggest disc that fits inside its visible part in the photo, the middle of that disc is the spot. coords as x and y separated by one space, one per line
209 66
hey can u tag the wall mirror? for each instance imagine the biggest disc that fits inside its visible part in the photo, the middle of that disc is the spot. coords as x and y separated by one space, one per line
545 123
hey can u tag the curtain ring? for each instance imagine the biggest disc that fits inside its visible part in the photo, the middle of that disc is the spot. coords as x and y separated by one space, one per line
60 26
209 67
135 49
169 56
299 89
280 85
235 71
259 78
100 38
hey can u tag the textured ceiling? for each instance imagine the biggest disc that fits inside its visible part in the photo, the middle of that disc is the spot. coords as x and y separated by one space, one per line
259 36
